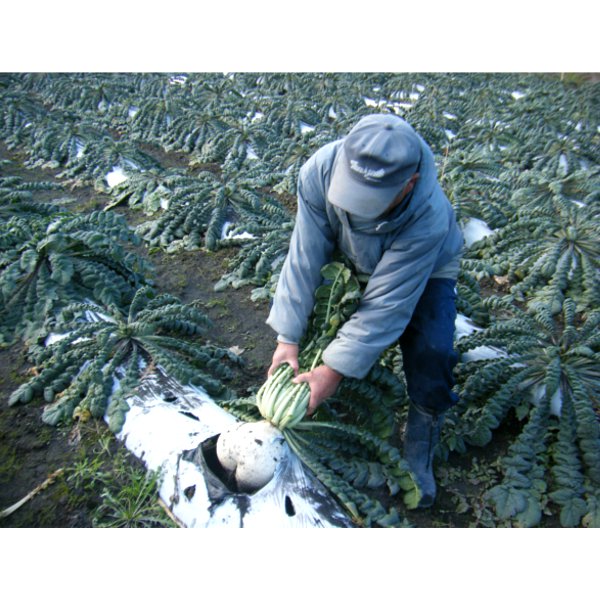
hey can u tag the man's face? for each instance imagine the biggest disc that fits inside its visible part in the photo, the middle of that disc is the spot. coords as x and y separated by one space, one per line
400 197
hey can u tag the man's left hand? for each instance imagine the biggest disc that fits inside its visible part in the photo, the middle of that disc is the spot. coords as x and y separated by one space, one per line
323 382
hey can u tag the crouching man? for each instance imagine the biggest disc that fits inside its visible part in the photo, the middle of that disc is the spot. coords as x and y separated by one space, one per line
375 196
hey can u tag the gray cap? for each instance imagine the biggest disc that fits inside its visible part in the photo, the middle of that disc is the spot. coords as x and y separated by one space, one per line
378 157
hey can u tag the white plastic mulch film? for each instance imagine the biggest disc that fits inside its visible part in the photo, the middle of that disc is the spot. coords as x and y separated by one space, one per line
174 428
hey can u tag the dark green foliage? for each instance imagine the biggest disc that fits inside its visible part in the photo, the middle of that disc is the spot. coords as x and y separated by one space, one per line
258 262
199 208
19 110
191 207
372 403
290 120
537 191
102 348
520 494
477 186
20 197
65 90
22 214
63 143
544 369
240 143
545 464
64 259
551 256
535 355
153 117
567 472
518 151
351 462
192 131
469 301
288 158
98 159
149 191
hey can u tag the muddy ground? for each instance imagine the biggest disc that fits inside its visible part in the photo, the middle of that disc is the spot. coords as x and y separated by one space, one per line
84 454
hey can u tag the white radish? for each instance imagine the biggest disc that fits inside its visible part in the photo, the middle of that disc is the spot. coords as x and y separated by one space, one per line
252 451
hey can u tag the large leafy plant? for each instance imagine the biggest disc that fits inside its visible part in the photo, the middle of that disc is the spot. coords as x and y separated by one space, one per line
546 372
200 208
551 252
99 158
68 258
100 350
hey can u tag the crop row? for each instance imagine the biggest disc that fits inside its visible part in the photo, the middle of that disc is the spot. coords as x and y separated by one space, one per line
516 154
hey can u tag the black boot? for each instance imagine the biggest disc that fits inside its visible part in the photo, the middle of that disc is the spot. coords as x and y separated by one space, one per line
421 437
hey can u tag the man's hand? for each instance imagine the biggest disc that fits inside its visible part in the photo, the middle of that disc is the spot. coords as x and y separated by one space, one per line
284 353
323 382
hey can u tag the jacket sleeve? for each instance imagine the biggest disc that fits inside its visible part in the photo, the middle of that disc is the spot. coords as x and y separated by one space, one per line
311 247
387 305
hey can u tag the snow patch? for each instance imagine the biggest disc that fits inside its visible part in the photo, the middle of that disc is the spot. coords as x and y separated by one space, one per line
399 107
563 163
556 403
475 230
538 393
227 233
464 326
178 80
306 128
54 337
483 353
374 103
250 153
115 177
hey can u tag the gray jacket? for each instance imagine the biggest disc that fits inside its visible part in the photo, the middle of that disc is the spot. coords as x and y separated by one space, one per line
419 240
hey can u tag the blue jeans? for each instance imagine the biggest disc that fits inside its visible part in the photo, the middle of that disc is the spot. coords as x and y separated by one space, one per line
427 346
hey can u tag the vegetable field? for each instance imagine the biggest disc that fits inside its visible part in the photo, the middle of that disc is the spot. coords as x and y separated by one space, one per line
144 221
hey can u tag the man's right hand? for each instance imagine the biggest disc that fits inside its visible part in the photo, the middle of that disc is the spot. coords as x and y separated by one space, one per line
285 353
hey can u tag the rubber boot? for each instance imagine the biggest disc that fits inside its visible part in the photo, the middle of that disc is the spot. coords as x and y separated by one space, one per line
421 437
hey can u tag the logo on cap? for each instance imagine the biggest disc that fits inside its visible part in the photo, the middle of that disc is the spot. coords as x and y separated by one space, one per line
368 174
